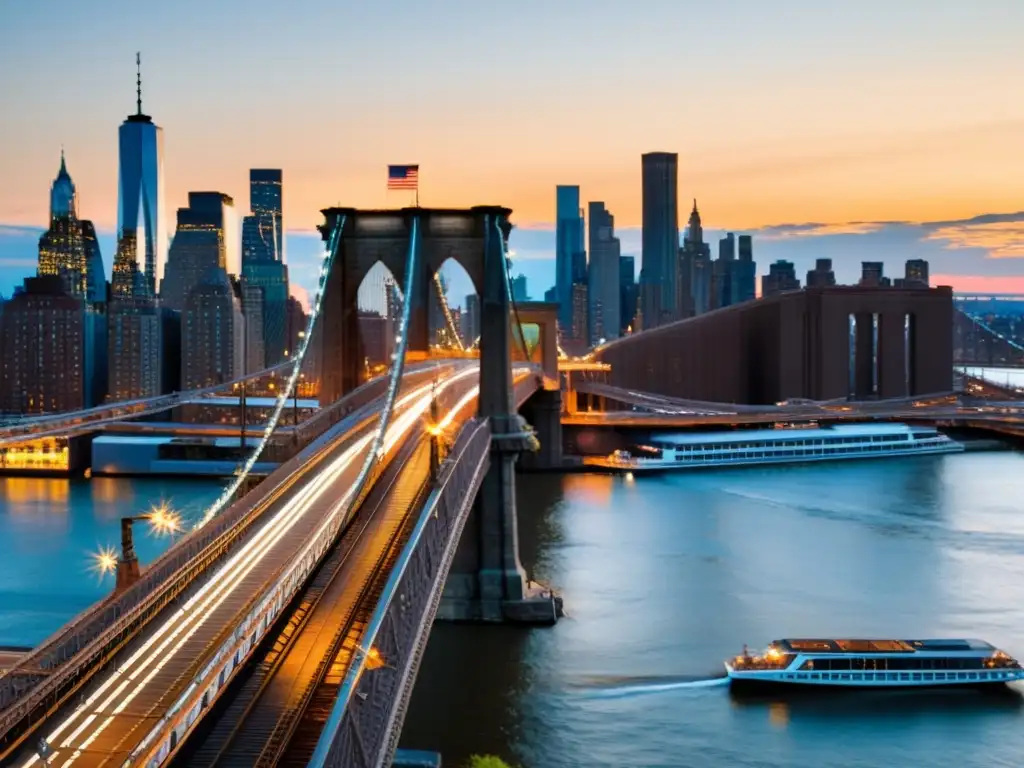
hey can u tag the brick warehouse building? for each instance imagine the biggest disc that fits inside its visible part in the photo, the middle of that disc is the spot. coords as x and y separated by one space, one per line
820 343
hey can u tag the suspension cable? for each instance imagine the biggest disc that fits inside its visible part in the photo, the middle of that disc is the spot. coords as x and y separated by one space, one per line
224 500
452 330
527 355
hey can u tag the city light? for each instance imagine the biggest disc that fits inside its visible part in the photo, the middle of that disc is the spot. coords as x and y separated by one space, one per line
164 519
374 660
105 561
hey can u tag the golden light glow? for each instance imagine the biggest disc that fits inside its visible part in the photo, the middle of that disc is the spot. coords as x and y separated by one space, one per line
105 561
374 660
48 454
164 519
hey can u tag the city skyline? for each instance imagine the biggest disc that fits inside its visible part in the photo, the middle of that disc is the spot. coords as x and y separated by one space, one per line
864 158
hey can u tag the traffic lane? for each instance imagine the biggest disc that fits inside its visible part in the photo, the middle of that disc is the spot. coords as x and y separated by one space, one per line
79 731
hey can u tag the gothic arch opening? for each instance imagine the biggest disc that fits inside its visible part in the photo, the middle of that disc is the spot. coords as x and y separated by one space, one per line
453 311
379 302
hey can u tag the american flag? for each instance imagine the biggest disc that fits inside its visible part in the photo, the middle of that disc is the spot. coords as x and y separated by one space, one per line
403 176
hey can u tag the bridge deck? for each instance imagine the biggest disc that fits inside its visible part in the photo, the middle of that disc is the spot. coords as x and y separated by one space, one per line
272 699
121 706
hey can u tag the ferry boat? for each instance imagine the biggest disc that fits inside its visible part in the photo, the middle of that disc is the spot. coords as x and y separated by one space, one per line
873 664
783 445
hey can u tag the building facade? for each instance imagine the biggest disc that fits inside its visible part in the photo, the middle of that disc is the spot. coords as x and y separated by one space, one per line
212 333
603 274
45 368
781 277
569 250
822 276
694 286
263 258
819 343
135 353
744 275
62 250
252 308
659 284
203 241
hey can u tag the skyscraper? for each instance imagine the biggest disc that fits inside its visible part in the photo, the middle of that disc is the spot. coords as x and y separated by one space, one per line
872 275
569 251
471 321
61 248
694 279
915 274
202 241
263 257
781 277
627 294
141 224
822 275
252 308
519 292
603 296
743 283
95 278
660 238
212 333
722 270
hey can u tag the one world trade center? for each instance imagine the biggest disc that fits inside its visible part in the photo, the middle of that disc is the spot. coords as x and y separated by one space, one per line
141 229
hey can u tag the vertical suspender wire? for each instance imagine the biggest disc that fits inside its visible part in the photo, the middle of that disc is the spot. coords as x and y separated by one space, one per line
448 317
224 500
376 452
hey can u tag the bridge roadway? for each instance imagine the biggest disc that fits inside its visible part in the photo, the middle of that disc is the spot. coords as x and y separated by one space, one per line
123 713
302 661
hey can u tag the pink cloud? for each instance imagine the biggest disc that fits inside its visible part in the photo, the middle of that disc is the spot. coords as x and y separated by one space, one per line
981 283
300 294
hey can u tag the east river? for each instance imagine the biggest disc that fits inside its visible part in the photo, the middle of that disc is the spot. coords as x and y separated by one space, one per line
663 577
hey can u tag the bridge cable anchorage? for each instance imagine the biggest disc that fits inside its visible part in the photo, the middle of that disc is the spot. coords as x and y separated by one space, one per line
453 331
225 499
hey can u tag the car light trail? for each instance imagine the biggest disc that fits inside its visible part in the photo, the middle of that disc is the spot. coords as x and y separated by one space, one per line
186 621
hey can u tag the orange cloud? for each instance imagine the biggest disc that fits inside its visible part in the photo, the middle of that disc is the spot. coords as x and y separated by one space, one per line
787 231
1002 239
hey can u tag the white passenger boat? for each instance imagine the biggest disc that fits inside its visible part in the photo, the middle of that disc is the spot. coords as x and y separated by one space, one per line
873 664
781 446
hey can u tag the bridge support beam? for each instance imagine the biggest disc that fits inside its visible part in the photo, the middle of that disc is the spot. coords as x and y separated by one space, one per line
544 413
487 581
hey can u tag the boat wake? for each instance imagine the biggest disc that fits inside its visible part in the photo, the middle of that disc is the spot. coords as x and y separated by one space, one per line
623 687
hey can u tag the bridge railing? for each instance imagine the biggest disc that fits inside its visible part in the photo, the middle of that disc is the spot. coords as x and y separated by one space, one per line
107 625
358 732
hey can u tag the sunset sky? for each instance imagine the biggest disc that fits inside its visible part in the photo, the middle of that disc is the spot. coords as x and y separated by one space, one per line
905 115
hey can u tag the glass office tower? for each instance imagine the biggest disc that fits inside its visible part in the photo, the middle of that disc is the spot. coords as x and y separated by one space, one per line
141 222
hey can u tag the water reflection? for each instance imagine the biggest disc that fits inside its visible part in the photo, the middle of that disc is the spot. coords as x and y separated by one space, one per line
665 577
879 705
50 530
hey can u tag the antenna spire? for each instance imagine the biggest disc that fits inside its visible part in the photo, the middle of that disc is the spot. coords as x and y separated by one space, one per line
138 82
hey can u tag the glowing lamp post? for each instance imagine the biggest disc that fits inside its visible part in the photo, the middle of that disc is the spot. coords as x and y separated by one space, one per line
163 520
